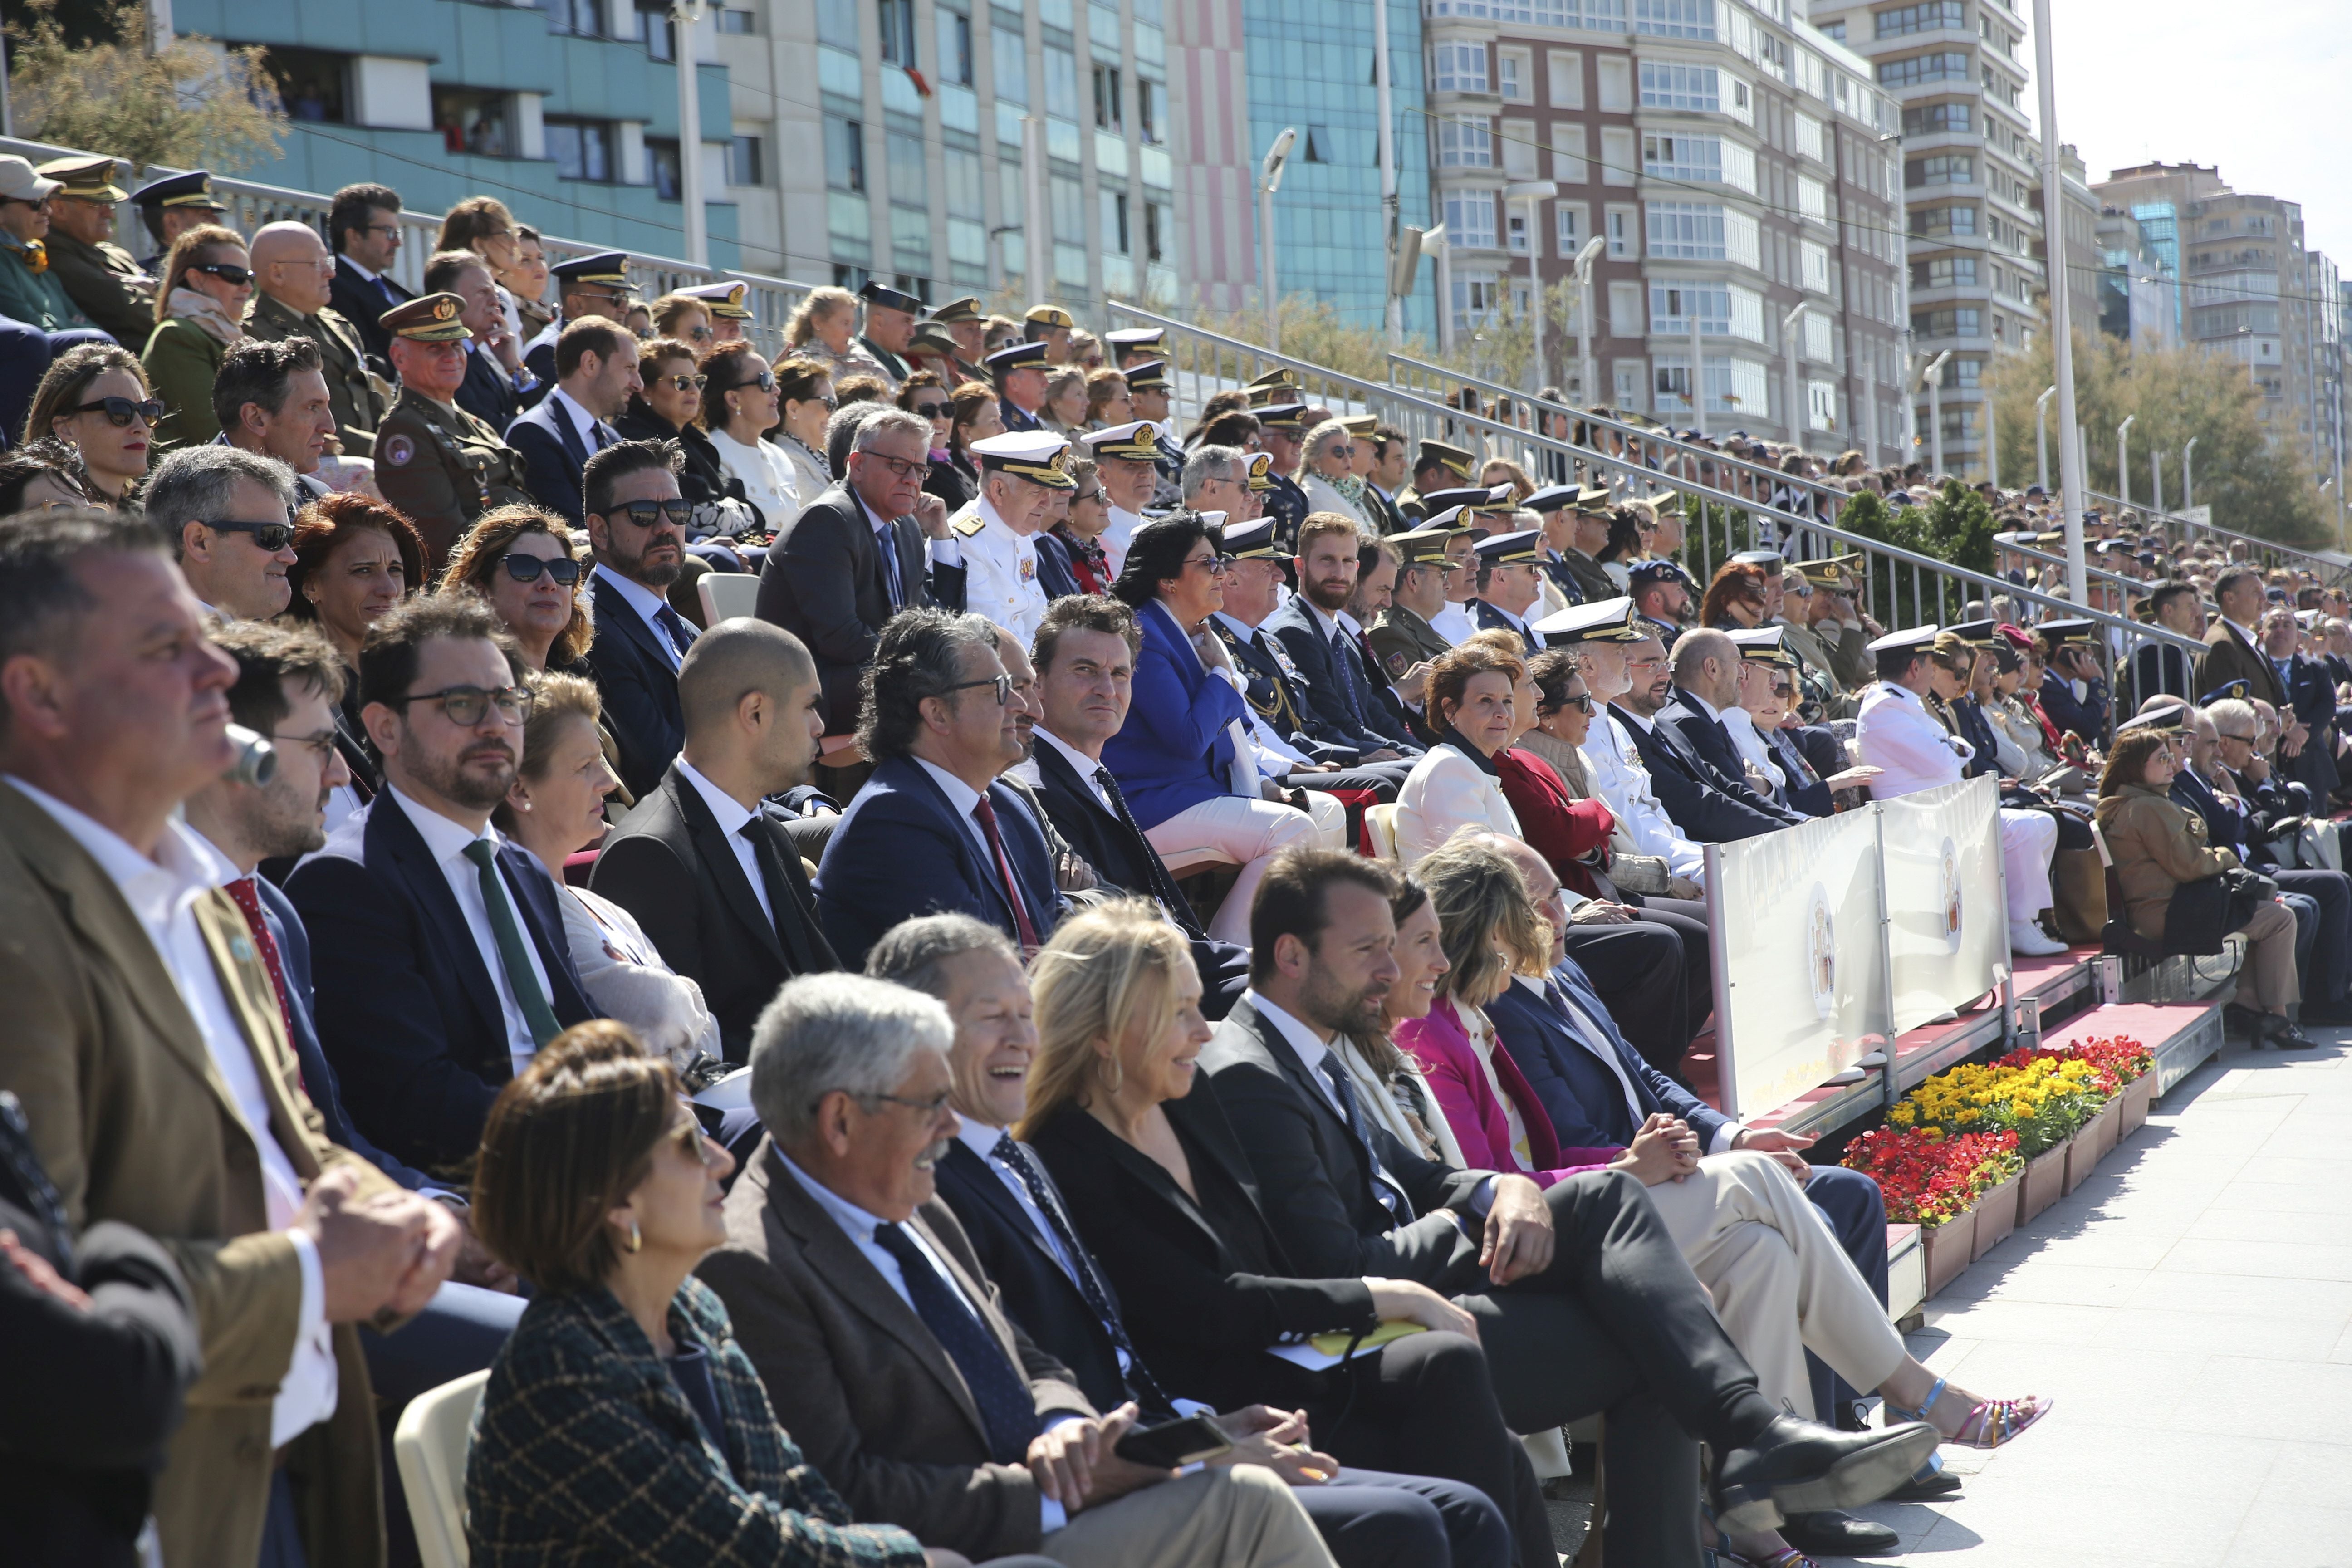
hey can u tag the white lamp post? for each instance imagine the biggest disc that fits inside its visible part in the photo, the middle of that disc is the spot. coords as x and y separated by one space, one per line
2123 459
2053 237
1789 325
2188 496
1934 376
2041 440
687 16
1584 261
1269 180
1535 192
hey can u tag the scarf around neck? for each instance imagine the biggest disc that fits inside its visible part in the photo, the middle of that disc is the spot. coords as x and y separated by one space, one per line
205 311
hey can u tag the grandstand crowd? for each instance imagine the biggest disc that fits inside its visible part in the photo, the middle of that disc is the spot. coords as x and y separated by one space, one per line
925 968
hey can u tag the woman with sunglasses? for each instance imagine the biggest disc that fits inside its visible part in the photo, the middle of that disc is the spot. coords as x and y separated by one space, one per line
1735 600
95 399
686 319
1079 532
666 410
1565 708
740 401
354 559
1767 694
520 559
926 393
199 311
975 415
805 400
1326 472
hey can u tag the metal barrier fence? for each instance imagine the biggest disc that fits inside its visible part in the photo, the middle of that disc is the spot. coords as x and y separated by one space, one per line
252 204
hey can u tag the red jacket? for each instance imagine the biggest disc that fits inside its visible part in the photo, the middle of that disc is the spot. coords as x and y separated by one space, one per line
1450 1062
1564 830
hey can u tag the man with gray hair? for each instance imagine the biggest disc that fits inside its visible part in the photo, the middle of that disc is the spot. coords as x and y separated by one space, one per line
229 514
860 1300
1216 478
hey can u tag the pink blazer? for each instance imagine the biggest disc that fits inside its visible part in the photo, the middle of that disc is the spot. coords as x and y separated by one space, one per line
1450 1062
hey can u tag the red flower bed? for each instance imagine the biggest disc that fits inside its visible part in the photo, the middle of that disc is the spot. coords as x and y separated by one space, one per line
1928 1178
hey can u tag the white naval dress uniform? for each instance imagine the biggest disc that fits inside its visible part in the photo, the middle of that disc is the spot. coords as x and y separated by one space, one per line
1897 734
1000 570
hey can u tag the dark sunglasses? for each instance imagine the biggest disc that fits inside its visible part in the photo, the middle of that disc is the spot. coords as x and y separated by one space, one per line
646 514
685 382
527 568
1582 702
934 410
121 410
235 277
270 537
1782 689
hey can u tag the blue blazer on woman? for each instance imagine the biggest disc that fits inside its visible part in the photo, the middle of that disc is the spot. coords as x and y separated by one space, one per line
1174 752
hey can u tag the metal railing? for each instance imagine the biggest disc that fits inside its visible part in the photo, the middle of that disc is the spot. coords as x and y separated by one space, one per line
2261 551
251 203
1900 586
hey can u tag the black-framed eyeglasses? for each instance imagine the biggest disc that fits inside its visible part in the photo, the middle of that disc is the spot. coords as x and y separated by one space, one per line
646 514
527 568
900 468
270 537
465 705
683 383
120 411
1582 702
235 277
1095 494
934 410
1218 566
1003 684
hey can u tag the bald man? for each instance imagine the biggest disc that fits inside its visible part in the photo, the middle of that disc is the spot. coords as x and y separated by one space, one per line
292 275
704 863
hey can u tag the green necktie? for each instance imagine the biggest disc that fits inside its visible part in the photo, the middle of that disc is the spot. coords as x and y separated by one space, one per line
513 956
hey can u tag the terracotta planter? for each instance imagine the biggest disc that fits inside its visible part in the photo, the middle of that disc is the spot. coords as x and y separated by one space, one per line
2107 1129
1996 1216
2137 1096
2084 1148
1948 1247
2045 1179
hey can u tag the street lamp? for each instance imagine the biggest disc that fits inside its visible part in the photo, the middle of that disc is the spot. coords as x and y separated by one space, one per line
1269 180
1934 376
1435 239
1788 324
688 16
1535 192
2188 496
2123 459
2155 472
2061 331
1584 261
2041 440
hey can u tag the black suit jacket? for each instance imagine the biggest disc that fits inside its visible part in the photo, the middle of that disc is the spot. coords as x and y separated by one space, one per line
1020 1262
1490 619
488 394
1685 788
1707 740
554 457
639 686
1340 708
671 866
824 582
1314 1182
1054 573
407 1011
362 304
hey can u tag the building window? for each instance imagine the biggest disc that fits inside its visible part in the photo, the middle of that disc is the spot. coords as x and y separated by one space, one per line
1156 228
1936 120
579 18
955 47
746 162
837 24
897 21
1319 144
652 27
1942 169
312 85
1457 68
1672 306
1110 112
1674 19
1464 144
1933 221
1061 84
909 177
844 155
739 22
1918 68
1620 233
1683 157
1516 223
1511 74
1956 321
1150 108
582 149
1011 59
1114 222
661 160
1922 18
1687 231
1945 272
1476 300
481 123
1833 30
1569 220
1680 87
1470 219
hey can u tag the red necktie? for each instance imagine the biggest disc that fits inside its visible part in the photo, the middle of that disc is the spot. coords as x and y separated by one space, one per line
987 814
250 902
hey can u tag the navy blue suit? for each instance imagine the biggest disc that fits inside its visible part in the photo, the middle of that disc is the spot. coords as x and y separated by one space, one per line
1491 619
1287 504
1693 792
901 851
487 393
1711 743
1803 786
1016 418
1174 751
2087 716
1341 708
407 1007
555 456
362 304
2324 934
639 686
1586 1100
1055 574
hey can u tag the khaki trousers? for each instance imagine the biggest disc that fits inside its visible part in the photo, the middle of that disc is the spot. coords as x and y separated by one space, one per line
2267 982
1239 1517
1781 1284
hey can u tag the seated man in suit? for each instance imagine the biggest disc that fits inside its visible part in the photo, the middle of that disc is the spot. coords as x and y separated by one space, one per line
887 1352
714 880
1706 684
934 830
437 947
1583 1301
854 557
1342 707
637 530
1706 806
1029 1247
595 376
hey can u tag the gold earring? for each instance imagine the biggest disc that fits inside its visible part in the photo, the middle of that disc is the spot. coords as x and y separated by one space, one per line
637 1237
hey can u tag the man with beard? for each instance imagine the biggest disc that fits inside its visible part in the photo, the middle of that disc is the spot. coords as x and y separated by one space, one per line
436 947
1342 707
637 530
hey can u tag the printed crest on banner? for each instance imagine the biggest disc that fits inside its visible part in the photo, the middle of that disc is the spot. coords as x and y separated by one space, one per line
1820 951
1950 899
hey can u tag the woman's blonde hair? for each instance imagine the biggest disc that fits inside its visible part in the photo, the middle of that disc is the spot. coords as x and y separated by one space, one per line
1488 925
556 699
1107 974
821 302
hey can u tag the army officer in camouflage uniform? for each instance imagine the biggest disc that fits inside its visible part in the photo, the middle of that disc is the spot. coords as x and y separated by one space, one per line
433 460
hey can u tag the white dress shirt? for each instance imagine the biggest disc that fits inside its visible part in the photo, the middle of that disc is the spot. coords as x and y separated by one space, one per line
1115 535
962 800
1000 574
647 604
732 815
446 841
1897 734
1083 765
162 893
1453 624
1614 766
767 475
1740 725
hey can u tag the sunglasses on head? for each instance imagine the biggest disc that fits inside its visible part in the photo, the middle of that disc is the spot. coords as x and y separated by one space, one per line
527 569
120 411
235 277
270 537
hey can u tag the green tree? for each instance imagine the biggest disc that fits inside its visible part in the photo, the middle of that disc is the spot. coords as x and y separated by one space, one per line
2253 485
186 105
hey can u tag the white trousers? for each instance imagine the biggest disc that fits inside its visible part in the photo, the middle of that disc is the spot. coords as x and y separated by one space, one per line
1236 832
1781 1284
2028 839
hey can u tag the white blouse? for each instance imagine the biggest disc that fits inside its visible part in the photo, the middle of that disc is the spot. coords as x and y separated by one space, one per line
767 475
1445 792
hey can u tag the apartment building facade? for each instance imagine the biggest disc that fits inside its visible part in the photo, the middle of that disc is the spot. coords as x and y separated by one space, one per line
1729 158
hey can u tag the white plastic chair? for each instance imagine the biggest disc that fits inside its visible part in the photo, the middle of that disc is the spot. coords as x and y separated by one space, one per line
1379 826
430 1443
726 594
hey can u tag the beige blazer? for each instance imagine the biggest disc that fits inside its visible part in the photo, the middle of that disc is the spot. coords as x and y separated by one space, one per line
134 1123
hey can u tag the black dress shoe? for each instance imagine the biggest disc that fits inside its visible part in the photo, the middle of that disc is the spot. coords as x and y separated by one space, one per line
1796 1466
1830 1534
2239 1019
1925 1485
2283 1034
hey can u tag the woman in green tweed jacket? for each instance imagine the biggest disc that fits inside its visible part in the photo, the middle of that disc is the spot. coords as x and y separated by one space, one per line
208 282
621 1424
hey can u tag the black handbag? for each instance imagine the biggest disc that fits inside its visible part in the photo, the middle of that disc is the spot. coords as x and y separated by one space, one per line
2205 911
